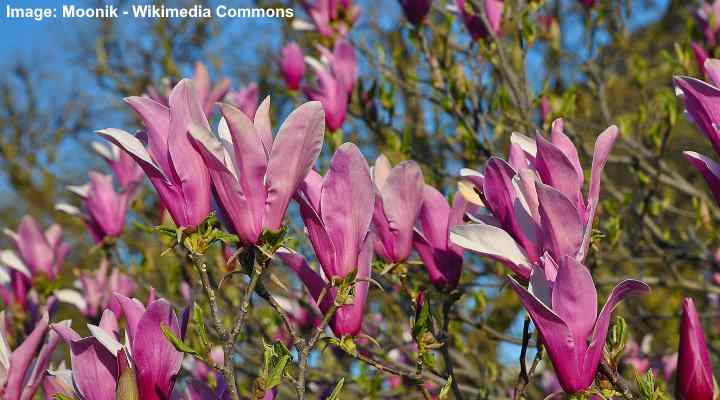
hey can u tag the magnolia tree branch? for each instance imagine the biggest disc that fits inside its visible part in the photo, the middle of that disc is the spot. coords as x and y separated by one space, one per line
304 349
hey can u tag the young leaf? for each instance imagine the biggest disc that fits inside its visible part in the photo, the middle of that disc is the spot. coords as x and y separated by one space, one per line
176 342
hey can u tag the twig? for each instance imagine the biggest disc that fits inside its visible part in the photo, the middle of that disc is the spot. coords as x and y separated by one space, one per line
445 349
616 380
305 348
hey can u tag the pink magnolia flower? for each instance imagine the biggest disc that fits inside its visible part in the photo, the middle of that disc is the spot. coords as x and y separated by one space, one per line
126 170
104 208
337 210
416 10
38 252
21 371
700 56
694 369
207 93
443 259
562 303
473 20
397 204
174 168
246 99
254 175
533 204
335 79
99 360
292 65
636 355
98 288
707 16
331 17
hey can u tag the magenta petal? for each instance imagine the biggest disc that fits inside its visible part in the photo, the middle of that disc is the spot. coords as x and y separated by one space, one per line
157 124
346 205
34 247
263 125
562 142
574 298
556 336
556 169
402 196
348 319
156 360
603 145
21 359
187 164
433 217
95 370
560 222
709 169
628 287
41 364
133 310
312 280
295 150
694 369
702 102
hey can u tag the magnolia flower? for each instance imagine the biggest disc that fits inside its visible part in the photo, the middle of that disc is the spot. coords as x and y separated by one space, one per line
473 19
126 170
335 79
442 258
207 93
246 99
292 65
708 16
96 290
702 102
21 372
337 210
331 17
534 203
38 252
636 355
255 176
416 10
174 168
397 205
145 366
694 369
105 209
562 303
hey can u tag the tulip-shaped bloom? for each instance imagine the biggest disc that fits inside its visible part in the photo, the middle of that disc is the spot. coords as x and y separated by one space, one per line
207 93
335 78
105 209
326 15
96 291
126 170
21 372
442 258
397 204
534 203
708 17
246 99
39 252
563 306
337 210
416 10
174 168
702 103
473 19
254 176
292 65
694 370
98 361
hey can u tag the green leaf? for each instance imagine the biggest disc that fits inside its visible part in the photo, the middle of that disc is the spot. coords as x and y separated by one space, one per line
60 396
280 360
176 342
199 324
336 391
446 389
